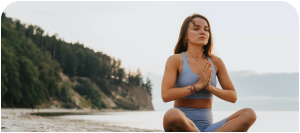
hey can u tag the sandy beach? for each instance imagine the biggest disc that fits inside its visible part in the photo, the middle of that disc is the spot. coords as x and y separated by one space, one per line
20 120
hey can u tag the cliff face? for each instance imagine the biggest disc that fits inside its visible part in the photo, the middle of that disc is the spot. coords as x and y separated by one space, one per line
139 96
124 96
128 96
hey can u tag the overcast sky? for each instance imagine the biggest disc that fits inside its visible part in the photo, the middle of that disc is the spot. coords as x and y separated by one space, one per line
254 36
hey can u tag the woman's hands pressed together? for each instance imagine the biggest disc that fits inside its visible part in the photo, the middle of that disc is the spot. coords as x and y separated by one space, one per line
208 85
204 77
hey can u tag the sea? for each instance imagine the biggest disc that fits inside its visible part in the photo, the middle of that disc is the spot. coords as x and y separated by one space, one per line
267 121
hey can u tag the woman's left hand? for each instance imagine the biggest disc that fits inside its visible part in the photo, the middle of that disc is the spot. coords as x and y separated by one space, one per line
208 87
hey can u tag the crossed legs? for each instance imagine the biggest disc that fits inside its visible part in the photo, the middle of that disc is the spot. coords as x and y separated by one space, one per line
240 121
176 121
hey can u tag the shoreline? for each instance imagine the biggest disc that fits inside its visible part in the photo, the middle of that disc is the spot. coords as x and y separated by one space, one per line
20 120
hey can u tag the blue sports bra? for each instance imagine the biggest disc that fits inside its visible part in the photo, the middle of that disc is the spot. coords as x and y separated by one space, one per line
188 77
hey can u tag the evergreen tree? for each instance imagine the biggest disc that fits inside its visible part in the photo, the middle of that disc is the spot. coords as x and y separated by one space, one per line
148 86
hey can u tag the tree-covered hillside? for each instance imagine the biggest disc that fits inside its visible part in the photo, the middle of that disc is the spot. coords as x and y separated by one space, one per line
32 60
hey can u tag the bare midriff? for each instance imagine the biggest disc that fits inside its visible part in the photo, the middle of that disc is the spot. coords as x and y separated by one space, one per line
193 103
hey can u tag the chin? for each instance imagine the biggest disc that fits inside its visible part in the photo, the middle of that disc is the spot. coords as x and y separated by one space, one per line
202 43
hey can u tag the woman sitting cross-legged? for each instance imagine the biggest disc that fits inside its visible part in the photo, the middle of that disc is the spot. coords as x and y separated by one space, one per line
190 81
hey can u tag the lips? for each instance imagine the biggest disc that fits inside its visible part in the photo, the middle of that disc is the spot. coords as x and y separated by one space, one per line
202 37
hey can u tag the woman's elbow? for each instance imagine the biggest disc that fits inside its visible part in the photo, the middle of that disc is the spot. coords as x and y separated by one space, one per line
235 98
165 98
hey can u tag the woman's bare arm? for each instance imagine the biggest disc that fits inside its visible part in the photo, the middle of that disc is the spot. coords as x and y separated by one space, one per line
168 92
227 92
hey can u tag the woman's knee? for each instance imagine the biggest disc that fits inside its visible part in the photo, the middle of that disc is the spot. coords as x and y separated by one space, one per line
249 116
174 116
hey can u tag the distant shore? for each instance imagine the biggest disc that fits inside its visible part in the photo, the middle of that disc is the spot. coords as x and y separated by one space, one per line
20 120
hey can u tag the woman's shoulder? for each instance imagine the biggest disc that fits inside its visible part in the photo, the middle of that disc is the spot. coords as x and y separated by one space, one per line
175 59
217 61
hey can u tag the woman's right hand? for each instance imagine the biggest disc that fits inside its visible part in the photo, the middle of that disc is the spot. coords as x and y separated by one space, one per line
204 77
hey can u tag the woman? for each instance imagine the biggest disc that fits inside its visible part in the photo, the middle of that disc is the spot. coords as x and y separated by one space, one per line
190 80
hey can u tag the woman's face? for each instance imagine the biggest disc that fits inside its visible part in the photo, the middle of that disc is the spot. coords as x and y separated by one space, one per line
199 33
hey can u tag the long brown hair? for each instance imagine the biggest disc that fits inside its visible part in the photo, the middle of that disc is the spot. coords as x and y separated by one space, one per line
182 47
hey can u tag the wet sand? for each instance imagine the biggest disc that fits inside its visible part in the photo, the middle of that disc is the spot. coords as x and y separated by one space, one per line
20 120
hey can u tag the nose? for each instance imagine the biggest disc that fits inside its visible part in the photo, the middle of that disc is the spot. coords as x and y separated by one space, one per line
202 32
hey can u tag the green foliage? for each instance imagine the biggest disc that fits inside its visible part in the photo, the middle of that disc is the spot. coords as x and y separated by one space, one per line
104 85
10 84
28 74
64 93
127 105
123 94
85 102
86 89
32 88
148 86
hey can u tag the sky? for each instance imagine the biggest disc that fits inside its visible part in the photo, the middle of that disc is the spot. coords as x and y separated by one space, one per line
248 36
259 38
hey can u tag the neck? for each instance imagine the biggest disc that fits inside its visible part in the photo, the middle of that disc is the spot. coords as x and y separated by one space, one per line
196 51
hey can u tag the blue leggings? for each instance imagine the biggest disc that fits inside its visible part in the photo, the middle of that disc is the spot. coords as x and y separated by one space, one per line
202 118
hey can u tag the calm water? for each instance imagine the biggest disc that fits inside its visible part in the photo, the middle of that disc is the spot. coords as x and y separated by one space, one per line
267 121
